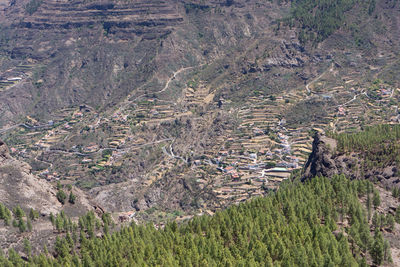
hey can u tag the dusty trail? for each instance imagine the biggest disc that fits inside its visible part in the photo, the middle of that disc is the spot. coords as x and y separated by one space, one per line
174 76
171 154
127 102
317 78
346 103
49 163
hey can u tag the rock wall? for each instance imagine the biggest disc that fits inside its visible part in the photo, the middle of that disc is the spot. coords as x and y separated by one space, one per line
321 161
325 161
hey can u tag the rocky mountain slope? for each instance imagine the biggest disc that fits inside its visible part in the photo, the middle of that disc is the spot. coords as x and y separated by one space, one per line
164 108
20 187
162 81
97 53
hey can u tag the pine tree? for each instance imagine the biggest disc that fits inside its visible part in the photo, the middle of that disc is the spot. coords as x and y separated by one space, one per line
376 220
376 199
369 205
390 222
61 196
27 247
59 223
33 214
363 262
18 212
292 227
14 258
2 211
377 249
71 198
29 225
21 225
397 215
387 253
52 219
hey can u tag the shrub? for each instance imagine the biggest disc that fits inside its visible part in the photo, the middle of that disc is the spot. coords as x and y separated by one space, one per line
61 196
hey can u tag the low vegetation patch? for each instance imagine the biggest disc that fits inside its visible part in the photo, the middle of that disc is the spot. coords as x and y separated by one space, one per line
33 6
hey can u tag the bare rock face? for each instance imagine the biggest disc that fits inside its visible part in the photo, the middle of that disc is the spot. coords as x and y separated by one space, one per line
323 161
320 162
4 153
18 186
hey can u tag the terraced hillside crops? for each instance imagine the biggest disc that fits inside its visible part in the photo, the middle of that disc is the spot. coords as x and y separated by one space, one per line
166 107
147 140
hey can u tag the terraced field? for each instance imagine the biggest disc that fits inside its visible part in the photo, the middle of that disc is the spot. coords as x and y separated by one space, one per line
248 158
13 76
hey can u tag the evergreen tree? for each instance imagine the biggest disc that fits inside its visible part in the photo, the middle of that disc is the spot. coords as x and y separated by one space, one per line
376 220
29 225
292 227
21 225
71 198
61 196
33 215
397 215
52 219
27 247
18 212
369 205
387 254
376 199
390 222
377 249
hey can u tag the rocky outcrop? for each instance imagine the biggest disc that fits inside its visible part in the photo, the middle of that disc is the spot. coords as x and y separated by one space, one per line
325 161
288 55
4 153
320 162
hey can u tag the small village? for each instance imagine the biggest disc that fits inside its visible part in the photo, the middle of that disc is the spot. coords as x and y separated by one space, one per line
249 160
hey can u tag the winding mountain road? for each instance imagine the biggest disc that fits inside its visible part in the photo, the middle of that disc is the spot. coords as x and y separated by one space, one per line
174 76
170 79
317 78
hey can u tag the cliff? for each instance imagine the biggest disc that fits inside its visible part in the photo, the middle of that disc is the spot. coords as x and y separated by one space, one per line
321 161
324 160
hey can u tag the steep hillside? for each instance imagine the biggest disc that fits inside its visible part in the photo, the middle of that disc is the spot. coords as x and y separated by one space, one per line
97 53
319 223
164 110
72 59
35 197
370 154
201 97
19 187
